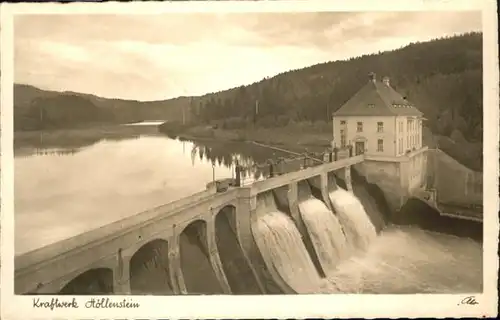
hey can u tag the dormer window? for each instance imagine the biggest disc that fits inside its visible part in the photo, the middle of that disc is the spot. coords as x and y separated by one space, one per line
371 105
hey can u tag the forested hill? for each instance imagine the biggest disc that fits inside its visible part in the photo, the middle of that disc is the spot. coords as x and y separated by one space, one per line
443 78
36 109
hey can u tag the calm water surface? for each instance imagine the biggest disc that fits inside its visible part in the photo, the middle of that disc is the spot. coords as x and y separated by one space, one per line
60 193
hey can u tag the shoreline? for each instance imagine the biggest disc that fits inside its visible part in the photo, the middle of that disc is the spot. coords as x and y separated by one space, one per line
299 136
78 137
85 136
280 136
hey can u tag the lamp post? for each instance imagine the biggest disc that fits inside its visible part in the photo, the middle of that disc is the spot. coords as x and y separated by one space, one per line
213 172
238 175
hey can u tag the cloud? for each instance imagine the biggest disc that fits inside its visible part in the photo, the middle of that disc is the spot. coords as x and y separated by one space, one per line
149 57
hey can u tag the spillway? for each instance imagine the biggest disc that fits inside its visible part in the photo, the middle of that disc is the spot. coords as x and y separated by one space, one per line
281 246
397 260
324 229
283 249
356 224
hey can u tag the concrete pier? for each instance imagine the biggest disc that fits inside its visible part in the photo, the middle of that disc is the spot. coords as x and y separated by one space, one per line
112 247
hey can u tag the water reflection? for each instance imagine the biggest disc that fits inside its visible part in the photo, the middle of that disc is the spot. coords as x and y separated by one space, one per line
28 141
256 161
28 152
62 192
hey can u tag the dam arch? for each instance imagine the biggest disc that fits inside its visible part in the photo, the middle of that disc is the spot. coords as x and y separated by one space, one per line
196 267
149 269
91 282
239 273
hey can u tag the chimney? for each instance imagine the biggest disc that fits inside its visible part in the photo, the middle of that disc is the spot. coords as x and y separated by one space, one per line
372 77
386 81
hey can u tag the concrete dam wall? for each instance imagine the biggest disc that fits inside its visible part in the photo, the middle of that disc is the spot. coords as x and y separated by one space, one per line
298 239
291 233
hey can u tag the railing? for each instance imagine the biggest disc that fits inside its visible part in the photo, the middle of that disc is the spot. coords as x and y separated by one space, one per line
306 173
467 211
115 229
280 166
105 245
28 258
460 212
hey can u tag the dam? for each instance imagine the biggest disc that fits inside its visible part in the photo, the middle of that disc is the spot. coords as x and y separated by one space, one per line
233 236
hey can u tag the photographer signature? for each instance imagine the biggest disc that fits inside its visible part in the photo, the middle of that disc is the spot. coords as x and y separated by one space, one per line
469 300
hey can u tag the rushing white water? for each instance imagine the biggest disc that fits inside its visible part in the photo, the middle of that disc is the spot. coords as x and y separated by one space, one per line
281 246
421 262
325 231
71 192
357 226
412 260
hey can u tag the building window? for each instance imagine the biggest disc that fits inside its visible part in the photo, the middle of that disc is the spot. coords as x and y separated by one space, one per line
380 127
371 105
380 145
342 139
342 122
360 127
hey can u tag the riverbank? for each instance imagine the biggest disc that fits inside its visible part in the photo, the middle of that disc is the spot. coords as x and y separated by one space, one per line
295 136
281 136
303 135
79 137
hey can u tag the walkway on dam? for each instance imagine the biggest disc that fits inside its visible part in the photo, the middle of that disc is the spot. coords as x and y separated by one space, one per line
49 268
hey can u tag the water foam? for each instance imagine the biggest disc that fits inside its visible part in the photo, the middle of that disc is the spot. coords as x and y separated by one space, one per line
281 246
421 262
356 224
325 231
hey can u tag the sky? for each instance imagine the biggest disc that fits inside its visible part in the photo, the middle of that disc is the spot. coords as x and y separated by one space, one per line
155 57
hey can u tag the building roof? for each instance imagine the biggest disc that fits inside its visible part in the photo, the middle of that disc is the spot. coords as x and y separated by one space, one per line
377 99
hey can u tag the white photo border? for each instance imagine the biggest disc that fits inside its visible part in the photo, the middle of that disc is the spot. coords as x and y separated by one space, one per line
263 306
